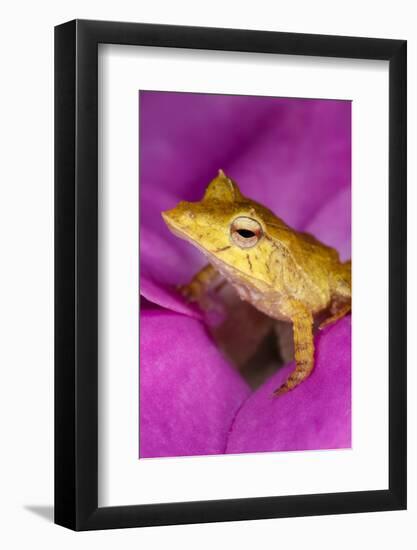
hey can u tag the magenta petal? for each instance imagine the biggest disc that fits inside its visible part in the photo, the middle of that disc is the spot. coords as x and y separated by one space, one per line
316 415
300 160
332 223
186 137
164 260
167 297
189 394
163 266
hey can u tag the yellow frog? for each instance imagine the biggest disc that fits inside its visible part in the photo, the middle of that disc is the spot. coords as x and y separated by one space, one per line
288 275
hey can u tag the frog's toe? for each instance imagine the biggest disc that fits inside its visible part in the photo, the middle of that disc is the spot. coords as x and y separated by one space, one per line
194 293
189 292
281 390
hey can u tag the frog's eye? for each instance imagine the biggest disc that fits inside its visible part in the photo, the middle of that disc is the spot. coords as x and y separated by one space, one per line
245 232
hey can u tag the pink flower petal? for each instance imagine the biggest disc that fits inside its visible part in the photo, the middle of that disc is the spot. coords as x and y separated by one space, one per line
188 393
332 223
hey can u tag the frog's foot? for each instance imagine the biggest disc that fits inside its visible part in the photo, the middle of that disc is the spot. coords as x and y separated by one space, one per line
192 291
300 373
281 390
196 293
341 312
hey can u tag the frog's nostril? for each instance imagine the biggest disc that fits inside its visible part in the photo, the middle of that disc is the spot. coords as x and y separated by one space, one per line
182 213
188 214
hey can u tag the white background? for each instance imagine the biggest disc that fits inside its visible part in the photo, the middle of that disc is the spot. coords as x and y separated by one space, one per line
123 479
26 400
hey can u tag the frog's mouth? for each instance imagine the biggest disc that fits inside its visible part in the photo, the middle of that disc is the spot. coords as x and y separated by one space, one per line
181 221
172 226
170 217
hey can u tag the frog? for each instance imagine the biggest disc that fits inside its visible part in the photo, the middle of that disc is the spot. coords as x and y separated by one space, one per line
287 274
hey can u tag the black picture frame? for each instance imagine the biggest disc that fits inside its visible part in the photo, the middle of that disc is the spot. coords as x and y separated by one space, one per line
76 272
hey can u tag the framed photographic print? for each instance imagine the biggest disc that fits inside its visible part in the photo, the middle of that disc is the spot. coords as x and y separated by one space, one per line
230 274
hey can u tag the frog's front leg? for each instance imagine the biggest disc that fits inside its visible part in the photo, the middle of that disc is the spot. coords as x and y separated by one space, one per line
302 321
196 289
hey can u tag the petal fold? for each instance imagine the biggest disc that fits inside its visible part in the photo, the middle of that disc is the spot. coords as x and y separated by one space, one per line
189 394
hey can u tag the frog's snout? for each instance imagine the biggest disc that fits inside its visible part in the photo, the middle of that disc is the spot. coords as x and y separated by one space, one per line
170 216
179 215
167 216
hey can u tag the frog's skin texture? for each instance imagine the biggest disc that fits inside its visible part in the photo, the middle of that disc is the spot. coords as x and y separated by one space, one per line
288 275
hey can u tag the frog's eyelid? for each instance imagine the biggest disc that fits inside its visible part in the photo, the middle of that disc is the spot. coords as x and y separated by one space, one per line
246 222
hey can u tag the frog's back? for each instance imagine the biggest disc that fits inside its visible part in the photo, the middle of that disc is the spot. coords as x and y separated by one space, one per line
310 254
309 264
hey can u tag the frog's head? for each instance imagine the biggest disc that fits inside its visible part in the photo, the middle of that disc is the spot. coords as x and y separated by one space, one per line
230 229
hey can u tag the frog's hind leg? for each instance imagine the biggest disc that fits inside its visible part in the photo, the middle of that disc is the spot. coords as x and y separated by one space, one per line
341 282
303 351
340 312
342 292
